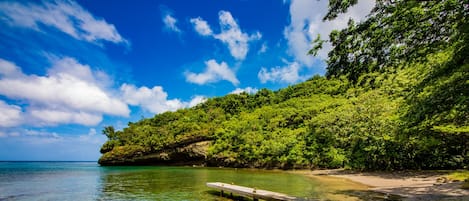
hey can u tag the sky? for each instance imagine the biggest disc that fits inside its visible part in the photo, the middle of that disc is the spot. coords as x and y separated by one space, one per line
69 68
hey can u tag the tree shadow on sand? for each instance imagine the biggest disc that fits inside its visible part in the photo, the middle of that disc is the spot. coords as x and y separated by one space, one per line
370 195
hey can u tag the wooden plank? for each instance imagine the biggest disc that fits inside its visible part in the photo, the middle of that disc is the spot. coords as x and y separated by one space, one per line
251 192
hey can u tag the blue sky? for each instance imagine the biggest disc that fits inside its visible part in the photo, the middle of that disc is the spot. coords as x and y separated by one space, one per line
69 68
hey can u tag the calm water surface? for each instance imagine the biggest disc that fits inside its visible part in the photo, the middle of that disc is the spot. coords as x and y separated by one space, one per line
89 181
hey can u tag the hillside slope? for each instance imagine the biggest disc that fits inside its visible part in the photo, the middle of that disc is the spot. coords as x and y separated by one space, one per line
416 117
395 96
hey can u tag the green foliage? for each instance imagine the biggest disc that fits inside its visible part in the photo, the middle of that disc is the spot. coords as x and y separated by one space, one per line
110 133
338 6
396 97
109 146
385 121
396 32
435 116
461 175
363 129
124 152
317 45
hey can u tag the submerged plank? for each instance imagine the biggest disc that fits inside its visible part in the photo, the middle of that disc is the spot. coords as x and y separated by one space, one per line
251 192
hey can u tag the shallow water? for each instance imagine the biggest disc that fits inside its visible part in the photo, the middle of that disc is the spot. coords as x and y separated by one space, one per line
89 181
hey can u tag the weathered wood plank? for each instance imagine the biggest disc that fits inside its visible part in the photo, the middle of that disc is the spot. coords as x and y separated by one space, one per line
251 192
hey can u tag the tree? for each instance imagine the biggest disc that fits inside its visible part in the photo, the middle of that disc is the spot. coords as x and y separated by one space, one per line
396 31
110 133
113 139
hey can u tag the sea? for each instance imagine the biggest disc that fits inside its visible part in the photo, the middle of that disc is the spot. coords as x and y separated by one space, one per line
90 181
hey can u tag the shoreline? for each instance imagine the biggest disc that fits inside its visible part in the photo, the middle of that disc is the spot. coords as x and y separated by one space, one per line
408 185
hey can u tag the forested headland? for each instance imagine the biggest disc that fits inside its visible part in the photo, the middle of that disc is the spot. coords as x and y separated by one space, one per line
395 96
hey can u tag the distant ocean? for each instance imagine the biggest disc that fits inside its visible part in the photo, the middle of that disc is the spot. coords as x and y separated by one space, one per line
89 181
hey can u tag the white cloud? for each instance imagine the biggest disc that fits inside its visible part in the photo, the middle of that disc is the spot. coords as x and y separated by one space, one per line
41 144
284 74
70 66
70 93
201 26
55 117
92 132
230 34
66 16
9 69
248 90
91 137
306 22
155 99
263 48
73 93
170 23
39 133
10 115
214 72
196 100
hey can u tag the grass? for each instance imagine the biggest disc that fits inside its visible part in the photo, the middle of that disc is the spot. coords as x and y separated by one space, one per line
461 175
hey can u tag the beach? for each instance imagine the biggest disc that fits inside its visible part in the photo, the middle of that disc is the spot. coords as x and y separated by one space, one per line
408 185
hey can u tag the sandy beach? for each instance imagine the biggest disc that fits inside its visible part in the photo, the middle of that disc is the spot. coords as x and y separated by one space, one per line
411 186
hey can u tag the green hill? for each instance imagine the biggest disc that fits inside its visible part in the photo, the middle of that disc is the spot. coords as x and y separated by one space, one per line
392 98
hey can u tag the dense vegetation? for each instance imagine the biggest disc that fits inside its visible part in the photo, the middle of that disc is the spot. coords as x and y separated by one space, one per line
396 96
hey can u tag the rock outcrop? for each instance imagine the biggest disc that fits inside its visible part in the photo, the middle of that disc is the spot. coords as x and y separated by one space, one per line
194 153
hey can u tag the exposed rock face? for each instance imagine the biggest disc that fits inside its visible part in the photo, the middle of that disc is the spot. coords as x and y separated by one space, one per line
188 152
191 154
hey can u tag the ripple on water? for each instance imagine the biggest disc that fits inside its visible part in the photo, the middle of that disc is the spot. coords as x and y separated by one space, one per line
88 181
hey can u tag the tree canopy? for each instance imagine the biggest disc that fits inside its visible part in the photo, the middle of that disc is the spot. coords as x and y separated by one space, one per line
396 31
396 96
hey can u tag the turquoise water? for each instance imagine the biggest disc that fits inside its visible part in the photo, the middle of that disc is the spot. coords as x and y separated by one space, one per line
89 181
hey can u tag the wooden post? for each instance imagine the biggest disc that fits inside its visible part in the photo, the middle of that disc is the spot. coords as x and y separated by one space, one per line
254 191
222 190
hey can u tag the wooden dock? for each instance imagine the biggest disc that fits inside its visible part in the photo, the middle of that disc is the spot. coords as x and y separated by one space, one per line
253 193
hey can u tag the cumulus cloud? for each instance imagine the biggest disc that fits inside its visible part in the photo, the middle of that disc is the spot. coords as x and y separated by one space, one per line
170 23
9 69
64 116
196 101
230 34
10 115
201 26
66 16
155 99
306 23
285 74
70 93
248 90
214 72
